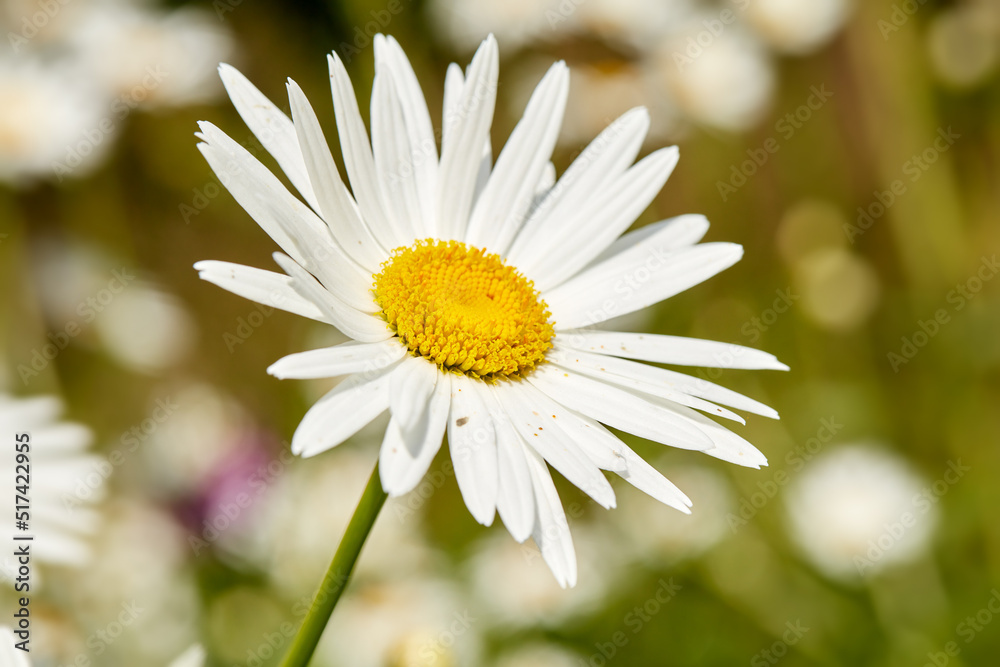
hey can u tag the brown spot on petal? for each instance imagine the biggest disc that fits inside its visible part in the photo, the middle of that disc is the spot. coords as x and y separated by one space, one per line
462 421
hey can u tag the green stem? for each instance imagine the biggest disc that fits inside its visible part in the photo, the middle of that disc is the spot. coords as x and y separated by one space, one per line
336 577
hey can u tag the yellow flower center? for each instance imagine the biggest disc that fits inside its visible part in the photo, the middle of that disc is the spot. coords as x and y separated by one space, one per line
463 309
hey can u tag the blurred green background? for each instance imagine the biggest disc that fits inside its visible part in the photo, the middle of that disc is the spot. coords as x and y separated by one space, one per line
853 150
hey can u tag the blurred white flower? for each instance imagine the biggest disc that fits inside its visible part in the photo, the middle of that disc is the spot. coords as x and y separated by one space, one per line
12 657
810 225
193 657
66 273
724 80
140 565
513 22
664 537
636 23
539 655
61 520
964 43
839 289
52 121
151 58
857 509
599 94
513 588
286 542
796 27
196 430
416 622
709 63
146 329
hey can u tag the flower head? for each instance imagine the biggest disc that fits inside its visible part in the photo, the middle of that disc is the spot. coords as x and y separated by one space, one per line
467 286
64 481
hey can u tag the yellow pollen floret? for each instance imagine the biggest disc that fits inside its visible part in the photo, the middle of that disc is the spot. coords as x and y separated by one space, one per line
463 309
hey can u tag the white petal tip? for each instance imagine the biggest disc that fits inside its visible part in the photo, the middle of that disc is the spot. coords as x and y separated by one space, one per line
518 537
483 519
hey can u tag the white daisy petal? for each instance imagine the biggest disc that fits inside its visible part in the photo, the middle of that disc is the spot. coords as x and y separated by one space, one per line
264 287
670 349
272 128
30 412
598 444
461 151
605 219
424 157
551 531
358 158
501 209
515 495
648 375
672 233
348 407
412 386
545 183
61 438
62 549
473 443
606 158
341 359
648 479
295 227
624 374
634 279
542 433
402 463
353 323
619 408
727 446
335 202
245 178
483 175
454 81
394 160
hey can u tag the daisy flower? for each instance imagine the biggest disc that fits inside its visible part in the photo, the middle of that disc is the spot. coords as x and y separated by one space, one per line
64 481
468 286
